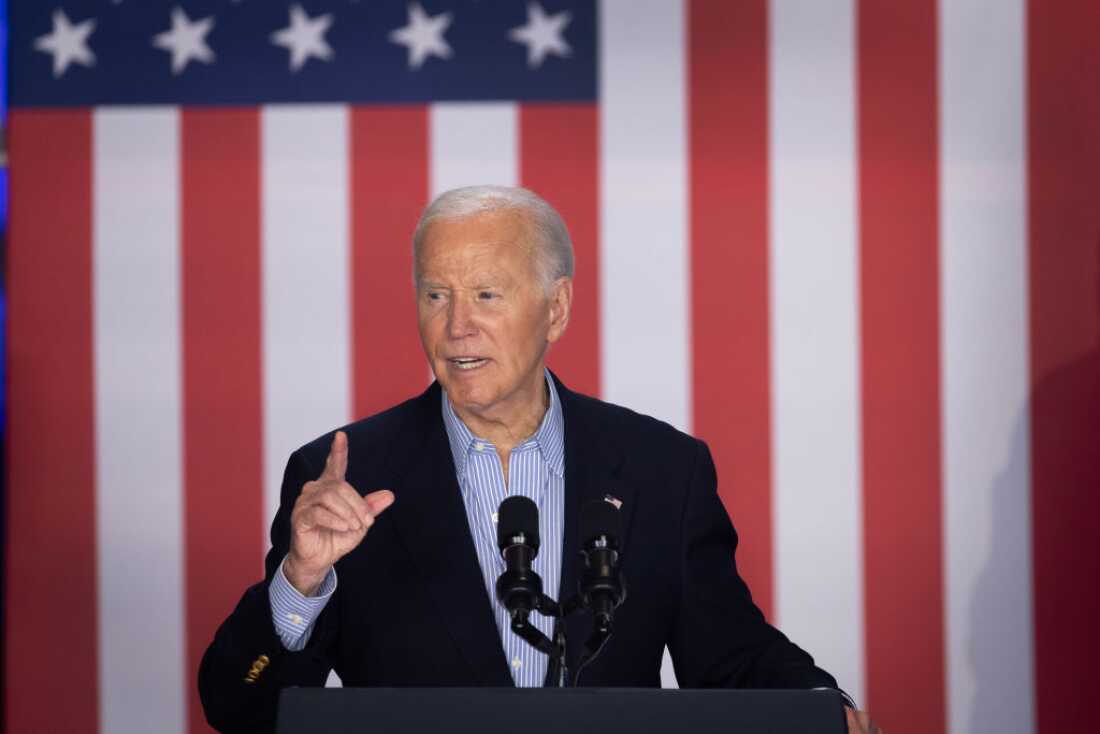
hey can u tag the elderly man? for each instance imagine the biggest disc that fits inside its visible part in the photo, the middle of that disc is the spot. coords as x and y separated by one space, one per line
394 586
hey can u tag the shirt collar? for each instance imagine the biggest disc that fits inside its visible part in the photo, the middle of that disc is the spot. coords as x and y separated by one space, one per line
550 436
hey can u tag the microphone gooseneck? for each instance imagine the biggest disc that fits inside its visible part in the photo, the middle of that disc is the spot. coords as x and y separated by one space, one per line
519 588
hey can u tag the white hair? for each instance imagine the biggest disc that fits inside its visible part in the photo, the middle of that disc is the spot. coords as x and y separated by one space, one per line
553 247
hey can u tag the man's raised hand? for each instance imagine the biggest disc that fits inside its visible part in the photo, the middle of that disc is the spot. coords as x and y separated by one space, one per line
329 520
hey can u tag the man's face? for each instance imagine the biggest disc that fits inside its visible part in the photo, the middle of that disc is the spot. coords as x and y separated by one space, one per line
485 318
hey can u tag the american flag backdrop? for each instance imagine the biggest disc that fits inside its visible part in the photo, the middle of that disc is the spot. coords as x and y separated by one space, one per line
852 244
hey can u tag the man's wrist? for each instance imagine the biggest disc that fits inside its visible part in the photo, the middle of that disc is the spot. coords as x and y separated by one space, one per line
304 583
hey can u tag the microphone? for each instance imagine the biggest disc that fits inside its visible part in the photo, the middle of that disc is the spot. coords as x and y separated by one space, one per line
602 586
519 588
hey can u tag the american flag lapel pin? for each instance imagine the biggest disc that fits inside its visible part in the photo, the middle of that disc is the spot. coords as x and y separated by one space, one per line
618 503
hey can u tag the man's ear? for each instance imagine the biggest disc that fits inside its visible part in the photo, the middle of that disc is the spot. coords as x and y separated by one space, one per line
561 302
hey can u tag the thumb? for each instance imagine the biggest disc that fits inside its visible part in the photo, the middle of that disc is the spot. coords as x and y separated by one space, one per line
379 501
336 465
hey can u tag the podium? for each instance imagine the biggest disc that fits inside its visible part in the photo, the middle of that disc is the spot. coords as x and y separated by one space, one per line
558 711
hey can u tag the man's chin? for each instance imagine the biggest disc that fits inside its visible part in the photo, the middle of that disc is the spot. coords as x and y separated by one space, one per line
466 394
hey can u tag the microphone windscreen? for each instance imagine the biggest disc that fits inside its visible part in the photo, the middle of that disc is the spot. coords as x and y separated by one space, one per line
600 517
517 515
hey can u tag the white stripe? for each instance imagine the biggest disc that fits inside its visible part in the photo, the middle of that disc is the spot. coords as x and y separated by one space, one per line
306 328
644 265
473 144
644 262
814 334
984 329
139 501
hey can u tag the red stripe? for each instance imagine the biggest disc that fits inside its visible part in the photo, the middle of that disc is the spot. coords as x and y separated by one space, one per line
220 239
728 97
1064 215
899 281
564 170
389 188
51 632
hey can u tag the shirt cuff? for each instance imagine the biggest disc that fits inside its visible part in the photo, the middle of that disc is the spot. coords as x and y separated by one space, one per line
293 614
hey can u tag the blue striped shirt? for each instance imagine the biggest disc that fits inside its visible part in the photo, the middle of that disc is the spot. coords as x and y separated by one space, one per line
536 469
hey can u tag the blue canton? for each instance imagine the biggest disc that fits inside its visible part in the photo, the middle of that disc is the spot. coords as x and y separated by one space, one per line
228 52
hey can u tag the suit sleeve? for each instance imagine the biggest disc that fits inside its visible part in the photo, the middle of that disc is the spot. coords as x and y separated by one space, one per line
246 665
720 637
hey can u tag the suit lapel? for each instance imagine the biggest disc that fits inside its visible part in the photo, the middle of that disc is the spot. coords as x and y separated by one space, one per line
593 471
430 520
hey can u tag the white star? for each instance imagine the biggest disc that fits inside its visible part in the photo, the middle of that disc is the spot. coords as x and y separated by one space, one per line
186 40
67 42
304 37
423 36
542 34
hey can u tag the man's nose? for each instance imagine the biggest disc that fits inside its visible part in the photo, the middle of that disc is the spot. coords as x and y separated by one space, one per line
460 321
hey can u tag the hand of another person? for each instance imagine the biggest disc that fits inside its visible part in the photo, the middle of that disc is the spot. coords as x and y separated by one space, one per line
859 722
329 520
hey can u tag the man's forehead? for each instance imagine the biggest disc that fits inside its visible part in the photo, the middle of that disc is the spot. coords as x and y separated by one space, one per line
499 226
479 243
468 277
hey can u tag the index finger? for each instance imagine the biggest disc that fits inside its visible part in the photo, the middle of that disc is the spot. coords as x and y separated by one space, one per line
336 465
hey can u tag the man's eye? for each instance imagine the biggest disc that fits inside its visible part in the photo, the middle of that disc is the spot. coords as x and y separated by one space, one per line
435 296
486 295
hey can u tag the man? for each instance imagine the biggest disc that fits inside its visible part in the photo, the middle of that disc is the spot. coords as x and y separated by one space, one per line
394 586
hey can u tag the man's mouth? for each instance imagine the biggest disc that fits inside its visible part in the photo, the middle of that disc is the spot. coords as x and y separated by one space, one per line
468 363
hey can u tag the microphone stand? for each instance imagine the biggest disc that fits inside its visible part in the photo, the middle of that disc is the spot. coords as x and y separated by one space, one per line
556 675
592 647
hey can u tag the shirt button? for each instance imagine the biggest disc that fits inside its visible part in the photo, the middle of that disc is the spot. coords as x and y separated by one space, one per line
517 663
479 446
494 516
294 618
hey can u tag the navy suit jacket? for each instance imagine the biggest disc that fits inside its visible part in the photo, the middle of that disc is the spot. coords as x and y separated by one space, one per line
411 607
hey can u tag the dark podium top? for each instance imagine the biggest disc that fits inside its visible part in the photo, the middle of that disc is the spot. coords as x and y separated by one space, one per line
558 711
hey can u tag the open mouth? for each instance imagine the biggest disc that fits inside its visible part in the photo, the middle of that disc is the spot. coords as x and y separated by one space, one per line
468 363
